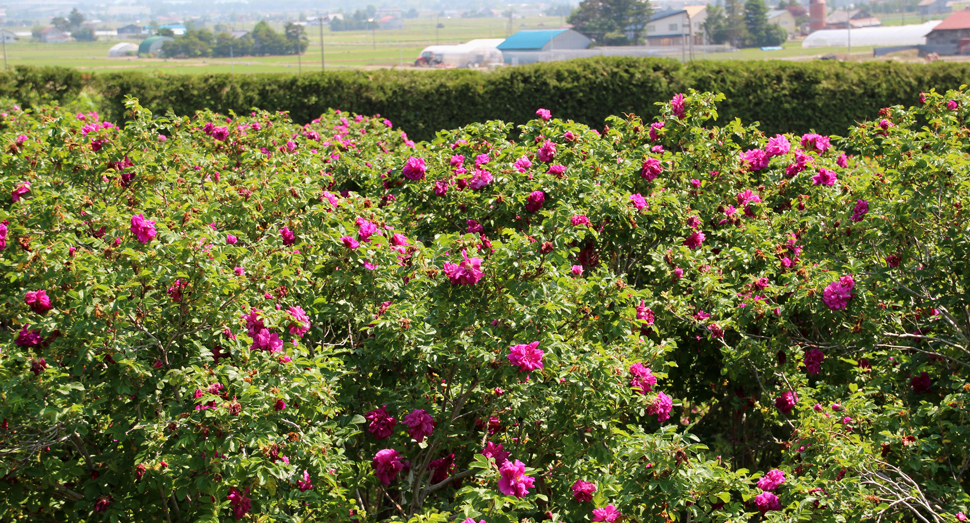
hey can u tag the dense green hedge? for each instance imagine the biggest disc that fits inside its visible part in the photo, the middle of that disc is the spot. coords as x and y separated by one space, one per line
784 96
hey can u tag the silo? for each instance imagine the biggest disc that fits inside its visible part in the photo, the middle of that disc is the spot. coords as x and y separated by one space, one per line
816 12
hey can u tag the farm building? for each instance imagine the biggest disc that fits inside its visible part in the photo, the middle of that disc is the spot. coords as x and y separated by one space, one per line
945 37
676 27
841 19
934 7
900 35
130 30
473 53
53 35
524 47
153 45
784 18
390 22
123 49
177 29
8 36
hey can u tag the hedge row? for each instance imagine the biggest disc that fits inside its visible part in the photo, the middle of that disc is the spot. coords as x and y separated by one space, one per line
827 97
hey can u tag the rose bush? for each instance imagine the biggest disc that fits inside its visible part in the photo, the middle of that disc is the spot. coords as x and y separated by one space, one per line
237 318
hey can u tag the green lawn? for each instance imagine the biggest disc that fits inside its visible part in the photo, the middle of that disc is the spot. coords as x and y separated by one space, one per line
350 49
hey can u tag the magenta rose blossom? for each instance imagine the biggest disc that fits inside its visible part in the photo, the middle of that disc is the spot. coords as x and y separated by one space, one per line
365 229
20 191
239 502
838 293
860 211
522 164
825 177
414 168
287 235
694 240
654 127
772 480
381 423
817 142
420 424
230 239
28 337
468 272
747 196
556 170
144 230
661 406
755 159
514 482
545 114
496 452
304 484
920 383
527 357
651 169
609 514
952 105
642 378
534 201
842 161
677 105
583 491
766 502
480 178
777 146
639 202
786 402
546 152
386 464
577 270
813 361
3 236
38 301
580 219
301 322
349 242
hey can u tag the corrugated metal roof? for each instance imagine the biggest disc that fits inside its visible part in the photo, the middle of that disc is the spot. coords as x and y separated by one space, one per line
529 39
958 20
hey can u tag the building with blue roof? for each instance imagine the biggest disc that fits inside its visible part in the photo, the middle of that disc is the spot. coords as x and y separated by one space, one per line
524 47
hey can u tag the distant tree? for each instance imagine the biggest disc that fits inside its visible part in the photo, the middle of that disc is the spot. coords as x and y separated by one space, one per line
599 18
75 18
303 17
195 43
296 35
226 45
35 32
84 33
221 28
412 13
153 27
755 22
715 26
774 35
371 11
165 31
734 22
61 23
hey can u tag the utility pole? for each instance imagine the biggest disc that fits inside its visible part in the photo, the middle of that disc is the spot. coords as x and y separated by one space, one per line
849 32
4 36
323 62
437 22
232 62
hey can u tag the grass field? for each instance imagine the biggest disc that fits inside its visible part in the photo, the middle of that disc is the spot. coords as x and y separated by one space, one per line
342 50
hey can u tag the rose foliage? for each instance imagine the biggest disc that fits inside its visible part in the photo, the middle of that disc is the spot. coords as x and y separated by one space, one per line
217 319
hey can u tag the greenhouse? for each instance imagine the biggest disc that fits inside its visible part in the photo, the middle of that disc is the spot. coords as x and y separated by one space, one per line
871 36
475 53
123 49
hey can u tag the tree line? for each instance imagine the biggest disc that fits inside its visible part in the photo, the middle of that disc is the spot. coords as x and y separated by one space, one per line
262 40
624 22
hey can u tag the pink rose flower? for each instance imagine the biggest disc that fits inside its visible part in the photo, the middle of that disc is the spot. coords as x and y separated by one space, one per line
838 293
420 424
144 230
414 168
38 301
583 491
386 464
609 514
772 480
651 169
513 481
527 357
661 406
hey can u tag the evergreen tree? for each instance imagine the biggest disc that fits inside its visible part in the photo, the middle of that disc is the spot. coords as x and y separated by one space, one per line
755 22
607 21
715 26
